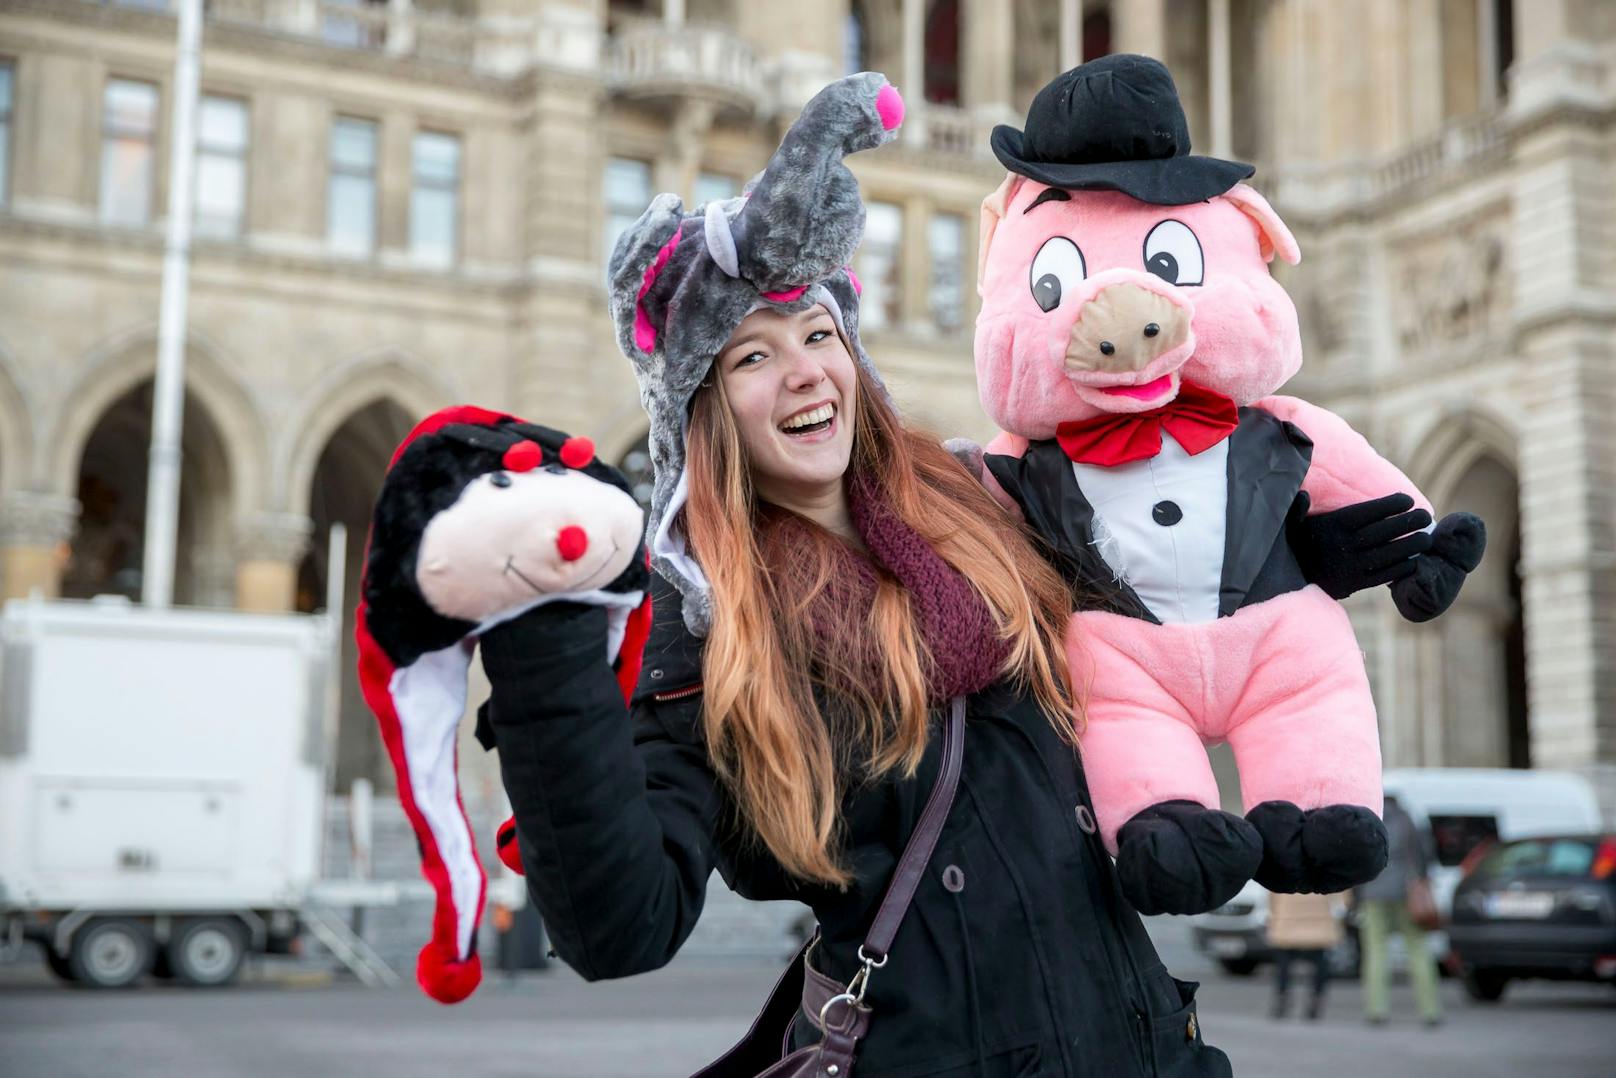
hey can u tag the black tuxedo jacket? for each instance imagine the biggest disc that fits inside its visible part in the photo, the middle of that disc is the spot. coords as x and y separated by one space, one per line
1267 459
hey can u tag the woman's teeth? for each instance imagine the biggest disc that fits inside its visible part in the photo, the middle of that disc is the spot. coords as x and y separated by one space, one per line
810 422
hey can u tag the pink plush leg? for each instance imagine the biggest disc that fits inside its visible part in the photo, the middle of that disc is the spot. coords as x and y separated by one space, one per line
1304 728
1141 745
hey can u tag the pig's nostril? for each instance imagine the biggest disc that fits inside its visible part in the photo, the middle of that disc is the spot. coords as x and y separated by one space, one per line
1107 348
1151 329
572 542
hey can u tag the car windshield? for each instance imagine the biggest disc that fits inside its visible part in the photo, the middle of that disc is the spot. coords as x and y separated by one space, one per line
1540 857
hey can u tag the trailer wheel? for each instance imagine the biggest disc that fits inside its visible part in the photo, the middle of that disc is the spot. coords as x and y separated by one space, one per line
110 953
207 953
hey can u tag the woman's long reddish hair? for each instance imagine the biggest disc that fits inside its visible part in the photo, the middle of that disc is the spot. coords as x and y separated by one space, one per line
783 762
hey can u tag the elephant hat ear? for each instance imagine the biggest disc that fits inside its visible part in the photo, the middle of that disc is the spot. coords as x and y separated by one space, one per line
804 219
641 256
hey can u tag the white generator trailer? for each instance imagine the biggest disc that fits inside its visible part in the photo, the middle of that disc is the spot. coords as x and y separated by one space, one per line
162 784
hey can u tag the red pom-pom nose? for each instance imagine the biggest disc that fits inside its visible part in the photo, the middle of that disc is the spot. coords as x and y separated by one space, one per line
577 452
524 456
572 542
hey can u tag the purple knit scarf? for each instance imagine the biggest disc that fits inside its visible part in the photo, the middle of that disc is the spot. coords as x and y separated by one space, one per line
956 625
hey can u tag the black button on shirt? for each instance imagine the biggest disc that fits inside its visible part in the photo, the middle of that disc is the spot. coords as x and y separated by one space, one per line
1166 513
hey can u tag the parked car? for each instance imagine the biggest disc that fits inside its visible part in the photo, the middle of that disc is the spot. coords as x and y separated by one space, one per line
1235 935
1537 907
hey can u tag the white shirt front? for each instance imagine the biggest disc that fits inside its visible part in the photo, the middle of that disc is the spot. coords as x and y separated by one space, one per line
1160 525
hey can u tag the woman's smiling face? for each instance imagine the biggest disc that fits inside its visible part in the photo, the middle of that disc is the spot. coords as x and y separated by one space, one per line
791 388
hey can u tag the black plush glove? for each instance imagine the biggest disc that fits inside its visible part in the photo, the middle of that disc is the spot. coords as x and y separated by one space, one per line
1457 544
1359 546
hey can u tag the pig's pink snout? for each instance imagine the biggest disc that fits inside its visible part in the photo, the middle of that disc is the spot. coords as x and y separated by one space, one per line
1125 328
572 542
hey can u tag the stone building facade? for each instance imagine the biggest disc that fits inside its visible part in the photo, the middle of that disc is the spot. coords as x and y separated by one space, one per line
406 204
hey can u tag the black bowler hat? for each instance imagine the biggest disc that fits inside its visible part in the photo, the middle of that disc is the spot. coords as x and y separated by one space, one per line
1115 124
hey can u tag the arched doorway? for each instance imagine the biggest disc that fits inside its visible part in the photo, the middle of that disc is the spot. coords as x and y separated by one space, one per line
347 478
106 553
1484 721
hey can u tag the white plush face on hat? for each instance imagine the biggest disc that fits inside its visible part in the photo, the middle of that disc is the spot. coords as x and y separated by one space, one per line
513 537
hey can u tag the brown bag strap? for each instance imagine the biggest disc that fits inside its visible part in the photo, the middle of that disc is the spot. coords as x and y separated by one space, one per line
916 855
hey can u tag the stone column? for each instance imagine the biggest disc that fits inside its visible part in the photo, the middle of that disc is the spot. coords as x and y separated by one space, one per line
1140 26
914 269
1071 34
988 41
269 549
1567 395
914 70
34 532
1220 79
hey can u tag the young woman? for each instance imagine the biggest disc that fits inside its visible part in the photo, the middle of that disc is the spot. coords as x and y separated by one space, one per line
829 578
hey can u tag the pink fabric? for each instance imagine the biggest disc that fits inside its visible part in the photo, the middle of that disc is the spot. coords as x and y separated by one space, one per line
784 297
1282 682
858 285
1345 468
889 106
645 334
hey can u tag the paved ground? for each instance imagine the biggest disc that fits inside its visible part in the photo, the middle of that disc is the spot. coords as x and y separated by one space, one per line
665 1023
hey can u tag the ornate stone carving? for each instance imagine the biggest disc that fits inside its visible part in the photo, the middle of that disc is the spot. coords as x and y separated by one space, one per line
28 518
1453 285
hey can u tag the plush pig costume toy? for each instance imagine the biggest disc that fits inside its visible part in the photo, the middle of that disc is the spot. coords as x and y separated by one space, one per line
481 517
1130 344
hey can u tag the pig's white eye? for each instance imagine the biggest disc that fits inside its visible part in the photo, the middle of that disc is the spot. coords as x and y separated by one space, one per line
1174 254
1056 270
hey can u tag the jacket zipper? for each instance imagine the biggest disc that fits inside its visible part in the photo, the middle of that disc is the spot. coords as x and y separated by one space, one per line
676 694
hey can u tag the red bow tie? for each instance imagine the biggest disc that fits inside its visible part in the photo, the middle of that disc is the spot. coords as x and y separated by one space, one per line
1198 419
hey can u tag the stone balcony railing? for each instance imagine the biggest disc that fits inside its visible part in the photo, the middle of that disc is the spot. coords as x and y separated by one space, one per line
651 58
944 129
1459 149
395 29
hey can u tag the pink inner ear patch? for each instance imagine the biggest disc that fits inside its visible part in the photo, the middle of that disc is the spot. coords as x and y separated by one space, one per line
524 456
858 285
645 334
784 297
889 106
577 452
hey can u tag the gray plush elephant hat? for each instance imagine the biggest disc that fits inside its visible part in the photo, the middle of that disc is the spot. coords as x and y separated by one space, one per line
680 283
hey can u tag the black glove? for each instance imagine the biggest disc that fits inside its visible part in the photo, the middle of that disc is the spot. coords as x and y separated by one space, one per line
1359 546
1457 544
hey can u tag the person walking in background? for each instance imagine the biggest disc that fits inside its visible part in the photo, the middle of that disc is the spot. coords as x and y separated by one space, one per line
1302 928
1399 898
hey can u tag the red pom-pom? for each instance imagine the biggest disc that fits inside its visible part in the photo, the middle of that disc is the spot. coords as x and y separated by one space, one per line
524 456
572 542
443 977
505 846
577 452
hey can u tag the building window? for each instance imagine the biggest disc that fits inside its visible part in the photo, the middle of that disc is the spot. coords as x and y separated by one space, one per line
350 211
712 187
221 166
943 53
128 147
628 192
855 58
362 26
946 234
1096 35
434 198
5 131
878 265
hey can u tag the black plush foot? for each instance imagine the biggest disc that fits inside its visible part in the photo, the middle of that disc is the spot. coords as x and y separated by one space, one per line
1319 851
1178 857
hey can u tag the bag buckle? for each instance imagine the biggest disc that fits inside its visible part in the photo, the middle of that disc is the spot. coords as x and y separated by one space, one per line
861 980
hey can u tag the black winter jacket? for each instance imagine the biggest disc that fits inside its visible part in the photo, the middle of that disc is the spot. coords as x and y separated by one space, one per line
1035 966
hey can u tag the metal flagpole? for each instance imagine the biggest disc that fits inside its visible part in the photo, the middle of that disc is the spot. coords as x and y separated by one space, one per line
168 398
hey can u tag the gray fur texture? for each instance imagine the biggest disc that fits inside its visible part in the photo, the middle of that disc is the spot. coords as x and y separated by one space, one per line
797 227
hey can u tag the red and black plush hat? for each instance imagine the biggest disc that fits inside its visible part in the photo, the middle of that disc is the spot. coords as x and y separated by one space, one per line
481 517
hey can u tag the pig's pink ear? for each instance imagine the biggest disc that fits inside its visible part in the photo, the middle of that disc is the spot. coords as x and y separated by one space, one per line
1272 234
993 210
